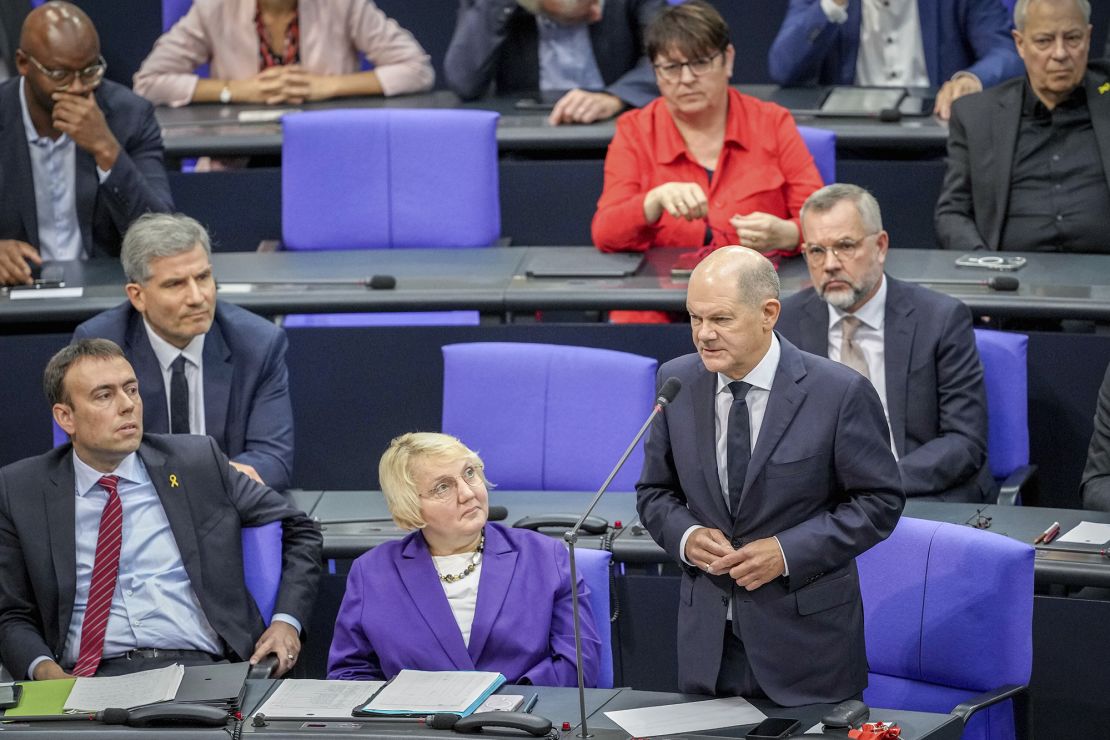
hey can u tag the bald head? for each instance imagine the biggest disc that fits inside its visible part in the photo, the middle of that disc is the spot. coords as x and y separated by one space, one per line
733 305
60 36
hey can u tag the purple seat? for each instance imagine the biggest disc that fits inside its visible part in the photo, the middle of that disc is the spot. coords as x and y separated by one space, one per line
384 318
948 613
172 10
1003 355
822 146
593 565
262 565
548 417
385 178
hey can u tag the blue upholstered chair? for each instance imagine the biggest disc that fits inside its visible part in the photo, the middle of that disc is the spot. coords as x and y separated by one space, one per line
1005 376
384 178
822 145
262 565
948 612
548 417
593 565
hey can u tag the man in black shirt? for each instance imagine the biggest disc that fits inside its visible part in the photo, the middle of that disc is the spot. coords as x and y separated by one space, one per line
1029 160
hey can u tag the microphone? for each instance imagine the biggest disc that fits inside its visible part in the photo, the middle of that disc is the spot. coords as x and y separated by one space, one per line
667 393
1000 283
496 514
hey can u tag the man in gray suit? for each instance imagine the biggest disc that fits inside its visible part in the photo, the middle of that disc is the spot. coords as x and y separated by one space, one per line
764 479
915 345
1029 160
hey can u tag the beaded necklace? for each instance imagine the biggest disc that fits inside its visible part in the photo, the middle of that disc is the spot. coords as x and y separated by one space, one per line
474 560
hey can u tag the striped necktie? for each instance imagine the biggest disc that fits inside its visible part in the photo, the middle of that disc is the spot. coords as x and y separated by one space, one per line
102 588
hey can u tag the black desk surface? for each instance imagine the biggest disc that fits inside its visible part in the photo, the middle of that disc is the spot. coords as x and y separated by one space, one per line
494 280
632 544
216 130
561 704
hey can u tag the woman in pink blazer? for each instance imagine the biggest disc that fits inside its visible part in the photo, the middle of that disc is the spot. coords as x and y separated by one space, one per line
282 52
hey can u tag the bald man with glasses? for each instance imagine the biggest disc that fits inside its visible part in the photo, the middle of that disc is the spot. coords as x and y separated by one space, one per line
80 156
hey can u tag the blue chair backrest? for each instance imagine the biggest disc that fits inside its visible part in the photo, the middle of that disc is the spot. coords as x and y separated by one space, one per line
172 10
1005 376
593 565
948 614
262 565
822 146
548 417
371 179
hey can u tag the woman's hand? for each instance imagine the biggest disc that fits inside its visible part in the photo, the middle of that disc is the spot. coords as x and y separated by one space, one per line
680 199
764 232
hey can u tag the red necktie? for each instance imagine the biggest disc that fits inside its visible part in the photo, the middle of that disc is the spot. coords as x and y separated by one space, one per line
98 606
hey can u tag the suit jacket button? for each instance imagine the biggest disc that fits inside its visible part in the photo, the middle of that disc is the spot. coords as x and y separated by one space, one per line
737 543
724 600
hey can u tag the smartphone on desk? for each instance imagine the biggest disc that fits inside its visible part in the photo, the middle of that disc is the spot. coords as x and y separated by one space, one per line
532 105
773 728
10 694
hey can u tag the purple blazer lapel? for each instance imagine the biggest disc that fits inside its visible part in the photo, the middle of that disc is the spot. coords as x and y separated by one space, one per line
421 581
498 563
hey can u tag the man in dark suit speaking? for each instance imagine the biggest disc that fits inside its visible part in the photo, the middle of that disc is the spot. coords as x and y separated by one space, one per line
205 367
764 479
80 156
121 552
914 344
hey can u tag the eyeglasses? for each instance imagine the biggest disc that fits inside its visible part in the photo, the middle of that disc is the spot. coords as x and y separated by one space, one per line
63 78
672 72
445 490
845 250
979 521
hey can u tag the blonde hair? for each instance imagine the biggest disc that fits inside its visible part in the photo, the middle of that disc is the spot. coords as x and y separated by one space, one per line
395 471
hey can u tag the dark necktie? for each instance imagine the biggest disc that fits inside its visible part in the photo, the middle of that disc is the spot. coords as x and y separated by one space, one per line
102 586
738 444
179 398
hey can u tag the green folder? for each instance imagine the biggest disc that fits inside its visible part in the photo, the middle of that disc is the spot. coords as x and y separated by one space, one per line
42 698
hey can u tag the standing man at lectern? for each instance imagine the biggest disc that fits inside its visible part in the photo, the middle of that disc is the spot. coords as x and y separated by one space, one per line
764 480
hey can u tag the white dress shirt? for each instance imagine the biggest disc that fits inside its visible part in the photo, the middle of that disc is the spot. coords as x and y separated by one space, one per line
891 51
462 595
194 373
761 378
566 56
870 339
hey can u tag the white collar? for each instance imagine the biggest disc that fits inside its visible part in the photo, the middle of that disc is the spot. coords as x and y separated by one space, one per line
167 353
86 478
761 376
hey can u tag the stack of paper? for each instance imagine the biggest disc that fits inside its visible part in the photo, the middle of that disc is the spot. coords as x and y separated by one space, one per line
432 692
125 692
219 685
303 698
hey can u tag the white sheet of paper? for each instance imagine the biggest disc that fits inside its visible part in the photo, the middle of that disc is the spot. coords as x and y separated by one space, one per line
428 692
301 698
24 295
1087 533
125 692
670 719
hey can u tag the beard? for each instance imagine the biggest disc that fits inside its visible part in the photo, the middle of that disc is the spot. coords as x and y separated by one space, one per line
844 298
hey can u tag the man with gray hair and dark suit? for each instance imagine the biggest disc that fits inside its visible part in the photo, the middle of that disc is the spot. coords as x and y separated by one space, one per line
591 52
1029 160
205 366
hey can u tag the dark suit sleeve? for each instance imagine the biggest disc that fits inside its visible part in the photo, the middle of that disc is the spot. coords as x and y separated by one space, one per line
301 542
960 447
871 497
268 445
660 500
137 183
1095 488
987 33
21 630
955 212
637 87
803 42
480 30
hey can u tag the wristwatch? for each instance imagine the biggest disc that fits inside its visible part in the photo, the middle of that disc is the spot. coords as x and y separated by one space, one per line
225 95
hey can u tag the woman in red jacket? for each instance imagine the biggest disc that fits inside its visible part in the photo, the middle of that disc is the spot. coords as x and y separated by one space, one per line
703 165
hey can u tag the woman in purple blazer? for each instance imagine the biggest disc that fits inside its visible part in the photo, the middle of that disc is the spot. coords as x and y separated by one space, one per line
459 593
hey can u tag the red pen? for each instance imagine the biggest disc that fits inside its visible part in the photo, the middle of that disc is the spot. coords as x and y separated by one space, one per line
1048 535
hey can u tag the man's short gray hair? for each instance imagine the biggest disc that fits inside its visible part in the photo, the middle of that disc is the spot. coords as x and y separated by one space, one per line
825 199
758 283
156 235
1022 7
